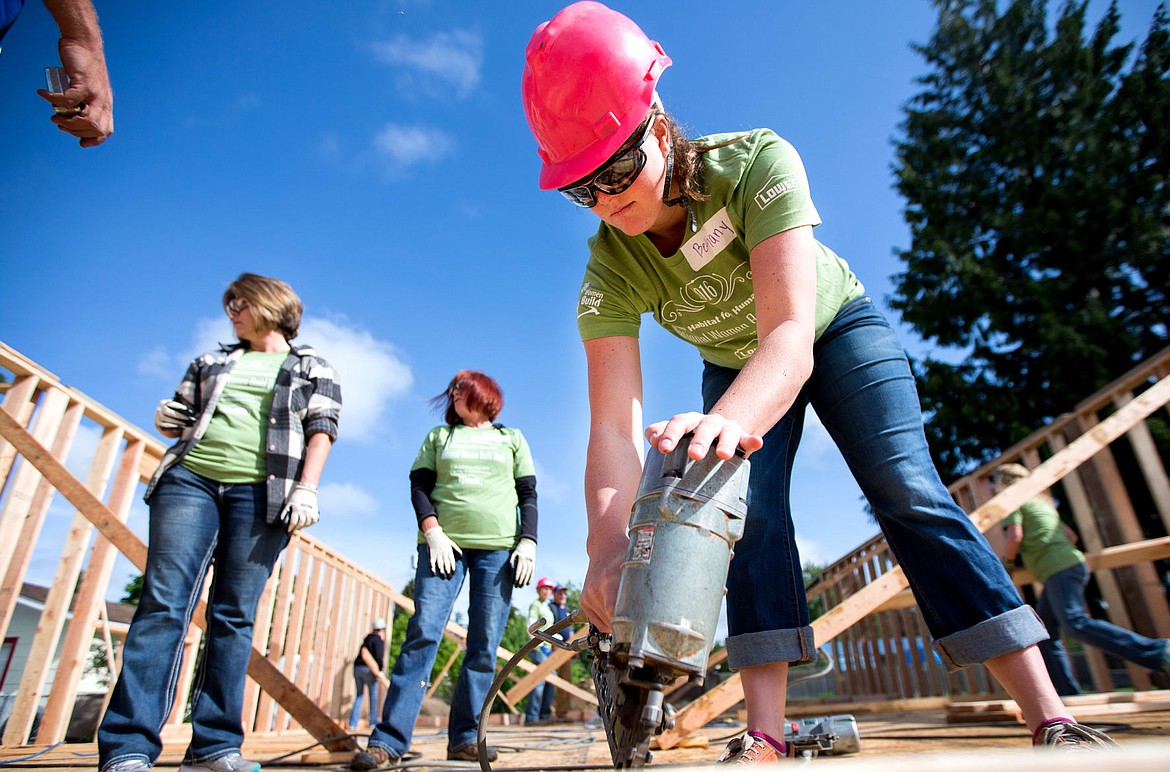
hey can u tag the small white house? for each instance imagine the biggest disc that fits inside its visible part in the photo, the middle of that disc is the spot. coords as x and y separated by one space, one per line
17 643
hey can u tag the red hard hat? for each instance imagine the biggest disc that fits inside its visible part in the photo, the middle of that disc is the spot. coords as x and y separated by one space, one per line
544 582
589 78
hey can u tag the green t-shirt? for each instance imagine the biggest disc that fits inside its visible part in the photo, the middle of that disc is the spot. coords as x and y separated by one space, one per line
703 293
232 448
475 486
540 609
1045 549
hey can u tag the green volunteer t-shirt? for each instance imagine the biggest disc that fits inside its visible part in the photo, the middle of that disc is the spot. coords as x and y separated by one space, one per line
1046 549
232 449
703 293
540 609
475 487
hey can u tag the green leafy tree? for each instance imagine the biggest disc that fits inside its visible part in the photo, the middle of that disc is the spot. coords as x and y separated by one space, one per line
812 572
1034 165
132 592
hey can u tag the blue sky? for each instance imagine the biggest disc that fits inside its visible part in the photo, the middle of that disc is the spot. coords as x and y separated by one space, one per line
375 156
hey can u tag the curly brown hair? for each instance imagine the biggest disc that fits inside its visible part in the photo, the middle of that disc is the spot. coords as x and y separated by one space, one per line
687 169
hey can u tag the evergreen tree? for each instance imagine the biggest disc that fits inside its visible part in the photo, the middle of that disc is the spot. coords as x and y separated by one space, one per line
1034 166
132 590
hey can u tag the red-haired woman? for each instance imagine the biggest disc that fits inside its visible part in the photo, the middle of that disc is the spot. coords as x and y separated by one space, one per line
466 485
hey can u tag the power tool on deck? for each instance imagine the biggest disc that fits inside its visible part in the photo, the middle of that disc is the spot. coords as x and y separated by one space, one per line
823 735
685 521
686 518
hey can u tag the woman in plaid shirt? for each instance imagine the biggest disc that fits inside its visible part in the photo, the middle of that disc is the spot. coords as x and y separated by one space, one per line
255 422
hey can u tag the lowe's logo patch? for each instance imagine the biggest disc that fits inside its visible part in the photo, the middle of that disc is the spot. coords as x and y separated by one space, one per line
774 188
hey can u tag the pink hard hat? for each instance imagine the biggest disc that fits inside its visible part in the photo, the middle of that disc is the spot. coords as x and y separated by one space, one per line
545 582
588 82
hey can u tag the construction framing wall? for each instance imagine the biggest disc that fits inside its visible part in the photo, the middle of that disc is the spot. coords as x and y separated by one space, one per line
312 617
318 605
870 624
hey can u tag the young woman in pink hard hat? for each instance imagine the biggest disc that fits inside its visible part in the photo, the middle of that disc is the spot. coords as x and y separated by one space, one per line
713 237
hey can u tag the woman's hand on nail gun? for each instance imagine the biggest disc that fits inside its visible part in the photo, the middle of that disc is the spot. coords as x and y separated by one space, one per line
709 429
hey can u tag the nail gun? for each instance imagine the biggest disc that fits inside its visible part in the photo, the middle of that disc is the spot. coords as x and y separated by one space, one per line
685 520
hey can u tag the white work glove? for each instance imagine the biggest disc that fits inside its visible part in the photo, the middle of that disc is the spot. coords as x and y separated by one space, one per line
523 562
442 551
300 508
173 416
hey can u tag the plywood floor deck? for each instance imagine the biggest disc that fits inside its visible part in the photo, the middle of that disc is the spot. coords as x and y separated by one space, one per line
911 740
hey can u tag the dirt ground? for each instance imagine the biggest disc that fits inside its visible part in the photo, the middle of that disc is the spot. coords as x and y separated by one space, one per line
906 740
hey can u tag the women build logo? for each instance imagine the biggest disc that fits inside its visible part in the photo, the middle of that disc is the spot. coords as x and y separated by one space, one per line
777 186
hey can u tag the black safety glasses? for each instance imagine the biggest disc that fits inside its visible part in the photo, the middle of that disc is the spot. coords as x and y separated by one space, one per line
616 176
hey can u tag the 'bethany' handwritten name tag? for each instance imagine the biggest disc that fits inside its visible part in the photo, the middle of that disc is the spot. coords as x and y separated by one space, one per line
711 239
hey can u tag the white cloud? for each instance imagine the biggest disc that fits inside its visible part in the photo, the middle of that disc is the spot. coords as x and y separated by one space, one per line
812 552
405 146
156 363
451 57
208 334
342 499
169 363
370 371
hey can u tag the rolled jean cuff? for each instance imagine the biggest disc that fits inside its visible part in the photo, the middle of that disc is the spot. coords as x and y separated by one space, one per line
1013 630
771 646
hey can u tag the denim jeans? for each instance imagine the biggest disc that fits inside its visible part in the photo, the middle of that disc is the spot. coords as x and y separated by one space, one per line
863 391
194 522
366 681
540 699
1062 609
489 602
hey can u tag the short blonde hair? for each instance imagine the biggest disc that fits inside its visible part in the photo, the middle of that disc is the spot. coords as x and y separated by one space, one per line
274 304
1007 474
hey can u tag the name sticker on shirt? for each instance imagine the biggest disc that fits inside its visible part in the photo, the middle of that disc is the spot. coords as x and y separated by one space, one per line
710 240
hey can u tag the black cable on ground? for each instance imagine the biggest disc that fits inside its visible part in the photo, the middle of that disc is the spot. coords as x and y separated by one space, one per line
505 671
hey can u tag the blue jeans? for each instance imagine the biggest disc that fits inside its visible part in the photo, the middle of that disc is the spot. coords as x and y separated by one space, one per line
863 391
540 699
366 681
194 522
1062 609
489 603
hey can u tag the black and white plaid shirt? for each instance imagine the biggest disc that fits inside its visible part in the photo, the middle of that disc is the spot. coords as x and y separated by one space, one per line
306 401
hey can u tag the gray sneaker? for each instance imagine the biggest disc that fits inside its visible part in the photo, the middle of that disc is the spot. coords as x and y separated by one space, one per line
1071 736
128 765
232 762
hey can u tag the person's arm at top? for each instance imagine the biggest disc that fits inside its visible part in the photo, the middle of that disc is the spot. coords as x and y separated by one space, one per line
784 277
613 466
83 56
